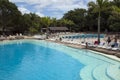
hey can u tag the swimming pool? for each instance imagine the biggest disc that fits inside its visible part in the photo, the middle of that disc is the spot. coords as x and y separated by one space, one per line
41 60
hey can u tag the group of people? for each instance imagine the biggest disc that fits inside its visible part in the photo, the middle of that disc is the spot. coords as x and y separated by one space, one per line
113 42
110 42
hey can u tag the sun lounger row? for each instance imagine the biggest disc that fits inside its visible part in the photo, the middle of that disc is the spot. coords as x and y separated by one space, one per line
91 43
11 38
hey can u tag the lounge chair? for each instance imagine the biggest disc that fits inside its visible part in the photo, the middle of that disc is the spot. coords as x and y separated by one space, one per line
101 45
115 48
106 47
2 38
83 43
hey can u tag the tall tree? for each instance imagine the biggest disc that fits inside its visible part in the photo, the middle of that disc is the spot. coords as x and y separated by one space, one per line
35 23
46 21
8 15
78 16
99 6
114 19
54 22
116 3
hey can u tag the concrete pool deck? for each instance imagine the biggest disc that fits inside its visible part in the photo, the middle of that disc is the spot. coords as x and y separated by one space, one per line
107 53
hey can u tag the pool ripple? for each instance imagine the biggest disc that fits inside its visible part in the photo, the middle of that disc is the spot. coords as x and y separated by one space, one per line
99 72
113 71
86 72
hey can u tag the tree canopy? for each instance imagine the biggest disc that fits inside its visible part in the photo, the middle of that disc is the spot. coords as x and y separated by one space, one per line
102 13
9 15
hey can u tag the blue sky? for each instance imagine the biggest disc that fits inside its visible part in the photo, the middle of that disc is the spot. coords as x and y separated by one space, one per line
52 8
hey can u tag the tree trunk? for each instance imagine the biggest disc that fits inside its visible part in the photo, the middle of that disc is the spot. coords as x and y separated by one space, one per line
70 29
47 33
99 27
3 30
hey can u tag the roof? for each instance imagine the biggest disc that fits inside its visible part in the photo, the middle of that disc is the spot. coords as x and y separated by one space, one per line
58 28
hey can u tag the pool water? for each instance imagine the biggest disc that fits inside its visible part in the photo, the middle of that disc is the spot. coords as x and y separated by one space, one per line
41 60
32 62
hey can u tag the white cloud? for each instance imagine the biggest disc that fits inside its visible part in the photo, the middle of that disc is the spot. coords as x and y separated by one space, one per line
57 4
63 5
17 0
23 10
41 6
39 14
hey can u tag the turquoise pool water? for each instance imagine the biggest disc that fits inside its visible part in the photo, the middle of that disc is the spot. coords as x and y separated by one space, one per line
41 60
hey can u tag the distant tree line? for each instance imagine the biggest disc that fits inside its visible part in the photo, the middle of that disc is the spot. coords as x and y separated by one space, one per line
76 20
104 13
12 20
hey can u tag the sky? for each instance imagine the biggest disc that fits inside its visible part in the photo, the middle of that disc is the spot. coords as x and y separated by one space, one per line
51 8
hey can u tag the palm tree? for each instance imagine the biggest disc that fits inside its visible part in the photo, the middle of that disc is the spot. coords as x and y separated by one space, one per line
46 22
98 7
101 4
54 22
69 24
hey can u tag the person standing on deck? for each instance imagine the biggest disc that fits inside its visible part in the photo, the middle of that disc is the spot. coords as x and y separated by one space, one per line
108 40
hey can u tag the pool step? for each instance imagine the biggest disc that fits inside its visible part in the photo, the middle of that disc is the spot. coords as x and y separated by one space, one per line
99 72
113 71
85 73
